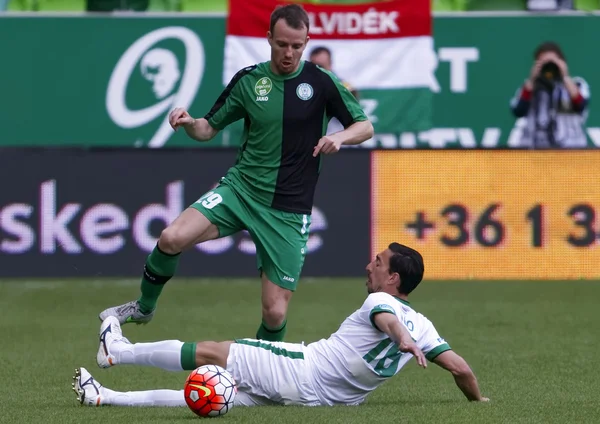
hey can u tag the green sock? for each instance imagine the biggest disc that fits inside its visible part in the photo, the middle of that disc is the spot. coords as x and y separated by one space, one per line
159 269
188 356
271 334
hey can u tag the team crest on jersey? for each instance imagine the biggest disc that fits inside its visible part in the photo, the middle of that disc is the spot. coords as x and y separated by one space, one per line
304 91
263 87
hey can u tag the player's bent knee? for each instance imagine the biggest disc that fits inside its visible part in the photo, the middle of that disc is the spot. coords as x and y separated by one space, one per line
274 314
171 240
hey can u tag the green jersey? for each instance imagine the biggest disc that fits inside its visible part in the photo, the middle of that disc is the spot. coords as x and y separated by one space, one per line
284 118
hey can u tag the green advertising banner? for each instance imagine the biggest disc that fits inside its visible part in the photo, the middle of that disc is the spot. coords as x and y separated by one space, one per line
111 80
106 81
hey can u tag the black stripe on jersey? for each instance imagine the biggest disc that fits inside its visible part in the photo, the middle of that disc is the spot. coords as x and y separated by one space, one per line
302 127
223 97
335 104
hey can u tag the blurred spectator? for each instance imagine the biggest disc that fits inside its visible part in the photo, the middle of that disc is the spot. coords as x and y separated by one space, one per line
546 5
116 5
493 5
322 56
554 104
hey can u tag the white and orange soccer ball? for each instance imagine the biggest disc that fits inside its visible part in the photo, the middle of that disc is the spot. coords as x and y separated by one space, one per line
210 391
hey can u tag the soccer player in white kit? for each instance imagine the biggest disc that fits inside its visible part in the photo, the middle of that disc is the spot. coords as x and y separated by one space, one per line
371 346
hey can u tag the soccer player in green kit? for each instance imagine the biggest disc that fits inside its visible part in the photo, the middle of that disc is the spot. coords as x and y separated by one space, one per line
286 105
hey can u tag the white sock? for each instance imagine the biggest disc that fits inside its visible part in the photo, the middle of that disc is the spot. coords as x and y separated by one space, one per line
165 354
170 398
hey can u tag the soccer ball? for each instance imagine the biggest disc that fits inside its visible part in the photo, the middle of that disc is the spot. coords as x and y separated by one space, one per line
210 391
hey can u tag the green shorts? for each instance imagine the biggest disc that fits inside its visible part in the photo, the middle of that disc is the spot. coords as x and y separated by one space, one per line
280 237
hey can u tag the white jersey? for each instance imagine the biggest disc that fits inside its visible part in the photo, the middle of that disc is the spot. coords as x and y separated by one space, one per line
358 357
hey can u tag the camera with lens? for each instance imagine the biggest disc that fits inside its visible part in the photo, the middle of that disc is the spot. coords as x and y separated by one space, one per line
549 75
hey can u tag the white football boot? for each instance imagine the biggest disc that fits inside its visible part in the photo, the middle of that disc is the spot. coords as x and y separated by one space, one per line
89 391
110 332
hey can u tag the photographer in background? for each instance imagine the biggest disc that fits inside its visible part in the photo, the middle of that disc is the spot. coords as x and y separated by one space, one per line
554 104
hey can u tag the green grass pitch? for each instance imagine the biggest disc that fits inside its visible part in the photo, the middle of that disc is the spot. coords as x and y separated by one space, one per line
534 347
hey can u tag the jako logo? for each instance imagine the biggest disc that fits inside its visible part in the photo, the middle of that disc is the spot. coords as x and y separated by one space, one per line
162 68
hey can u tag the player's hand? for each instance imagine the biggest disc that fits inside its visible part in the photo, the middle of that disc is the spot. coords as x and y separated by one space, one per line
562 66
326 146
535 70
412 347
179 117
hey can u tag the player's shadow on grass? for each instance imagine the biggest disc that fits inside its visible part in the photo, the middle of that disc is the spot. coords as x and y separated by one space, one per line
411 402
161 414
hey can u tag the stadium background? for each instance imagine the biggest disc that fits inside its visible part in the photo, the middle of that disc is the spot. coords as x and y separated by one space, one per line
434 149
83 199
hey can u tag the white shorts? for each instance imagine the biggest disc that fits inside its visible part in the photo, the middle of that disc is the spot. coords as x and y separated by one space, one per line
271 373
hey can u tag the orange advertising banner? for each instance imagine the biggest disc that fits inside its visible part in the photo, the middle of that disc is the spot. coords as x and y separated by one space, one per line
491 214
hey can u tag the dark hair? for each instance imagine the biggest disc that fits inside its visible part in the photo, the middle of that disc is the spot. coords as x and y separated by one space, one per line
294 15
408 263
320 49
548 46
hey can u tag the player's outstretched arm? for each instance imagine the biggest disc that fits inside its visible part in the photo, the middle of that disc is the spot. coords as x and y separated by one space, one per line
389 324
198 129
463 375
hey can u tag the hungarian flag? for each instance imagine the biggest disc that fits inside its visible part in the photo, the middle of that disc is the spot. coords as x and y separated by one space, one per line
383 50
